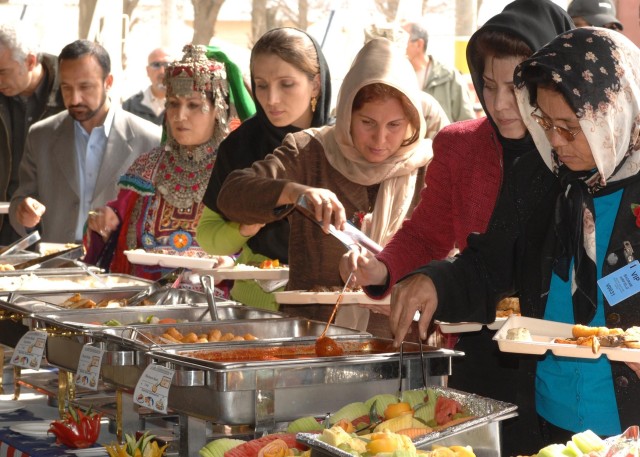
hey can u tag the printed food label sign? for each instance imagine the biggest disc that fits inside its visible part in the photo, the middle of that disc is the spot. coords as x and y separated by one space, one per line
152 389
29 350
89 367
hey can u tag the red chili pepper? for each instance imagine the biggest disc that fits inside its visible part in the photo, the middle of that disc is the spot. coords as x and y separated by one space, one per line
77 429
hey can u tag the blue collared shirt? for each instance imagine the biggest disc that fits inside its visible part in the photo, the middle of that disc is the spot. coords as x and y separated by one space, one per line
90 148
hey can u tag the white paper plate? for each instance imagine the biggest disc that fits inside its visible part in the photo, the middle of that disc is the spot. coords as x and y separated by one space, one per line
88 452
464 327
141 257
302 297
9 406
35 429
241 271
4 207
544 332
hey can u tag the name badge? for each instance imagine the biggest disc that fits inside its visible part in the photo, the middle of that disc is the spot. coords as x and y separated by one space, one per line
621 284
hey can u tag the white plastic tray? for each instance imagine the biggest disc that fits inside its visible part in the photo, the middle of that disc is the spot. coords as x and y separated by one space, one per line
464 327
544 332
303 297
242 271
4 207
141 257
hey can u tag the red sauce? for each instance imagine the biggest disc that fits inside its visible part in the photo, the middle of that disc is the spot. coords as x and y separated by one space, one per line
327 347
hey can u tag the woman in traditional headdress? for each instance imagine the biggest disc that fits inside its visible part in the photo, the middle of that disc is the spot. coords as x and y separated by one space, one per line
160 198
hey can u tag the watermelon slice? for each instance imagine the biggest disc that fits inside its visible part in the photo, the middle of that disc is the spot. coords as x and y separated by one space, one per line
252 448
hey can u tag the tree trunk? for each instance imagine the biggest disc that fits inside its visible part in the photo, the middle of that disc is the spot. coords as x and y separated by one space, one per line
205 15
85 14
303 13
258 19
466 17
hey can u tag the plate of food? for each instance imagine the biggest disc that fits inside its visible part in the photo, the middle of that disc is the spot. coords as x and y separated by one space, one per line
168 259
242 271
327 296
527 335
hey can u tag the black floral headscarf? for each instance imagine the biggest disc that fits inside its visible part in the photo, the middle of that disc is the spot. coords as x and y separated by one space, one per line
596 71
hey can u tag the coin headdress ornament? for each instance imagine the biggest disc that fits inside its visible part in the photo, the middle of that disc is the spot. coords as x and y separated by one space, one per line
195 72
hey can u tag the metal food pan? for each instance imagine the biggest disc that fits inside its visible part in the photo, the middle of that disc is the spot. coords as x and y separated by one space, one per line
264 392
482 433
77 319
33 284
15 318
18 257
125 347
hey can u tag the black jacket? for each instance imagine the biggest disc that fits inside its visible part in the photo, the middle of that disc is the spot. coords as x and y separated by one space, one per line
53 106
134 105
515 256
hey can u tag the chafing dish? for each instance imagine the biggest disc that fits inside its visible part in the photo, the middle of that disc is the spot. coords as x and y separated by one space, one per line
14 317
77 319
481 433
236 390
34 284
126 347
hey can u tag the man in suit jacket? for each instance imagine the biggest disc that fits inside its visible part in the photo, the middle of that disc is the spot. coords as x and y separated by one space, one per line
72 160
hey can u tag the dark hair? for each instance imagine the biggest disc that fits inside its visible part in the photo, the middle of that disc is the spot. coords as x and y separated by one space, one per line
381 91
291 45
498 44
80 48
417 32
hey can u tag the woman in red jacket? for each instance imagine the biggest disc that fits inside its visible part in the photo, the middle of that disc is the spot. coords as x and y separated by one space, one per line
462 185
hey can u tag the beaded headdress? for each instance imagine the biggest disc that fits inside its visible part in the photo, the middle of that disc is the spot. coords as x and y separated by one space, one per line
195 72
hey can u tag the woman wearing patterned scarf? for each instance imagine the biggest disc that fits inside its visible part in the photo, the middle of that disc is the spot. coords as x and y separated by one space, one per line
567 220
160 198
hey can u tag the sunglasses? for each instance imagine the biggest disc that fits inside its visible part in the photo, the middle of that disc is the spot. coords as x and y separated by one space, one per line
158 65
547 125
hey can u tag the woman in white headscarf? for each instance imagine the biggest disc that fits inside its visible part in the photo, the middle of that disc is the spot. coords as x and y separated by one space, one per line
568 220
368 169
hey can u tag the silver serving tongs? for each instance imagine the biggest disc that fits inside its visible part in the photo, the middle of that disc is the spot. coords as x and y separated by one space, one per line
422 367
22 243
349 237
207 284
168 279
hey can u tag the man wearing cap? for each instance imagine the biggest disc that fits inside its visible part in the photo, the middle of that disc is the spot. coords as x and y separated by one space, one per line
149 103
598 13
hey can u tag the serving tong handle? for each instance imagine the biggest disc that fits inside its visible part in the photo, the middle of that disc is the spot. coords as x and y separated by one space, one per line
422 367
207 284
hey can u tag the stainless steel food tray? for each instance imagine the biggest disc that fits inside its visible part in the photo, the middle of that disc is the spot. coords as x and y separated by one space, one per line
262 393
81 282
479 433
126 347
79 319
14 318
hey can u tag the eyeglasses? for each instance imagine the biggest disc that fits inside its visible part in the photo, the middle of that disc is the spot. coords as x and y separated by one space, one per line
547 125
158 65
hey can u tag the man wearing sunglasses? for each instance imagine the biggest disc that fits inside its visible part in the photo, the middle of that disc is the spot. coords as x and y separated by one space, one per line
149 103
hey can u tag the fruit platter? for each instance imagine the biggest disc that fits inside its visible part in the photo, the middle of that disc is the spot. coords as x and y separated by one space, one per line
424 416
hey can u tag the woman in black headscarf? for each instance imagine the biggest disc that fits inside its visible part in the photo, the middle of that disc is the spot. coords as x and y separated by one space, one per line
567 221
291 83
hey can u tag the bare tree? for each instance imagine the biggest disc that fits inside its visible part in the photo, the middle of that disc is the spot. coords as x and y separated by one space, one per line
205 15
389 8
86 9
